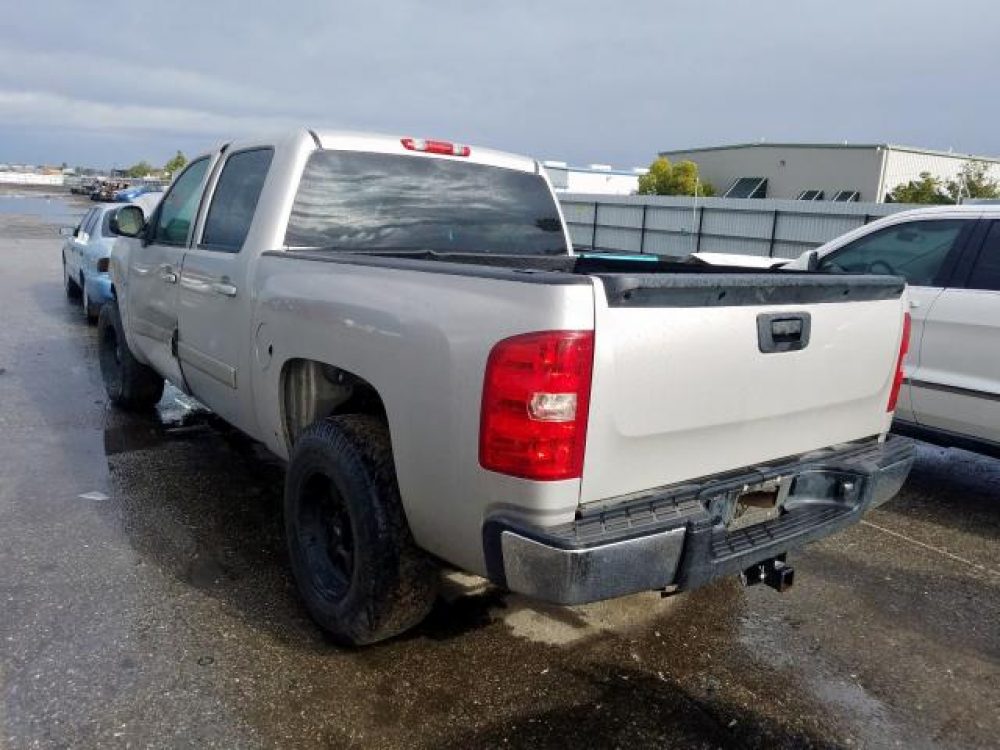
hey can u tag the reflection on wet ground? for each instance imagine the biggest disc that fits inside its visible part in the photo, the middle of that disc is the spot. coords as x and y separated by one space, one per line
28 214
159 611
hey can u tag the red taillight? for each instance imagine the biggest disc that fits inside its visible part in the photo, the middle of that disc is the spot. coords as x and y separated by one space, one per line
536 396
436 147
897 380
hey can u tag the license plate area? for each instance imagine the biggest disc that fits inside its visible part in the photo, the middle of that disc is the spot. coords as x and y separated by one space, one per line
757 503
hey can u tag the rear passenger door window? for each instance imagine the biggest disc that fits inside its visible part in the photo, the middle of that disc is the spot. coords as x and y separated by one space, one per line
177 212
985 273
91 223
106 224
81 228
235 200
916 250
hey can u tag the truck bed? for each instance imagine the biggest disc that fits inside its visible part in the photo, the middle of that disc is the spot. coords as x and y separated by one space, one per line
629 282
681 388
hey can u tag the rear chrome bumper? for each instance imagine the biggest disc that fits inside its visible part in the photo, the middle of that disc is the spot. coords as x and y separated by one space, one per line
677 536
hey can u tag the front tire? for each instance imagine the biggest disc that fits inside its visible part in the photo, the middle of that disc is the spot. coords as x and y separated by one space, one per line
361 575
130 384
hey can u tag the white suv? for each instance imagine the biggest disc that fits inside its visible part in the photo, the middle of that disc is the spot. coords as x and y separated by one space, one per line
950 257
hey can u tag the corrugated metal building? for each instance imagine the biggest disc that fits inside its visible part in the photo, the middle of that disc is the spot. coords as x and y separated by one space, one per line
820 171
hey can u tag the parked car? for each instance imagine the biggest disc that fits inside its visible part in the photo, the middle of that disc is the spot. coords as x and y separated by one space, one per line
105 191
950 257
86 253
404 321
129 194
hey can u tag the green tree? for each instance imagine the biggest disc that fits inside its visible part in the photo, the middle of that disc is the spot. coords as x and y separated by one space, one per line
928 189
665 178
141 169
973 182
176 164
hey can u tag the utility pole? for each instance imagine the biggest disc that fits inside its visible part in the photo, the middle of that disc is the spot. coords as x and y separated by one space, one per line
694 216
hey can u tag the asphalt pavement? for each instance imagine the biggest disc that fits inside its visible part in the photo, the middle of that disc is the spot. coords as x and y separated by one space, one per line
146 601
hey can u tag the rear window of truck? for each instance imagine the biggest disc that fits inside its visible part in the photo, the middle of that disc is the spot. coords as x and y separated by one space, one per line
353 201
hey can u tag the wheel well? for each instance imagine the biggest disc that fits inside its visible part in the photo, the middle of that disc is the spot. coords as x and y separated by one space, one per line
314 390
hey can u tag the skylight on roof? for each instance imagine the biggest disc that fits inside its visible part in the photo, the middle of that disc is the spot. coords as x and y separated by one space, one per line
748 187
847 196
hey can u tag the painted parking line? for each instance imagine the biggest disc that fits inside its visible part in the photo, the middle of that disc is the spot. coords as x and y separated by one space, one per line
932 548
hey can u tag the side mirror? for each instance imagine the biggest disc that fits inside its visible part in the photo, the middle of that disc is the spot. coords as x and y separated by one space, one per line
67 231
127 221
807 261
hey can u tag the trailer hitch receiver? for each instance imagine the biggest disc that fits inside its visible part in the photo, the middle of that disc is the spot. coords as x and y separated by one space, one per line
775 572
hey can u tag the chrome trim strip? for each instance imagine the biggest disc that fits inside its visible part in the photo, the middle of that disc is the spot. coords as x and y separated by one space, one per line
953 389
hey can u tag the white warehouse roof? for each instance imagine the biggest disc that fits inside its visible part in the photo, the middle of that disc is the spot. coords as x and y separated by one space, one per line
863 146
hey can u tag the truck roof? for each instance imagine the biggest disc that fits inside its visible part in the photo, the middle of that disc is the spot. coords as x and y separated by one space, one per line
385 143
349 140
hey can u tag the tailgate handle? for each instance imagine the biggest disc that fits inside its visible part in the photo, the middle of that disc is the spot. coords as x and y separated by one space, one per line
783 332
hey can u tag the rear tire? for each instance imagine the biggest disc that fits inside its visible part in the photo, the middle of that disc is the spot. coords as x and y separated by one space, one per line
72 288
361 575
91 310
130 384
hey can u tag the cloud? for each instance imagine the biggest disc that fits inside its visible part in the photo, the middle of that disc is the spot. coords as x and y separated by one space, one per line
143 80
31 108
583 82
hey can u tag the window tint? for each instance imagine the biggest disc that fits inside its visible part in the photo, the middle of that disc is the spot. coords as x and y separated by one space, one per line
235 200
986 273
179 206
90 220
106 222
915 250
355 201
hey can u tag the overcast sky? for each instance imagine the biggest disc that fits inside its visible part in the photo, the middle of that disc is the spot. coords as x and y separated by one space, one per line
115 82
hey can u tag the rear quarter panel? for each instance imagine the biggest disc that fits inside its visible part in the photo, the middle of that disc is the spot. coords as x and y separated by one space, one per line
422 340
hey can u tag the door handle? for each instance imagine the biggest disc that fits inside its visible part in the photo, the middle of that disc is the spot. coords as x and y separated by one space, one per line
914 303
783 332
167 274
224 288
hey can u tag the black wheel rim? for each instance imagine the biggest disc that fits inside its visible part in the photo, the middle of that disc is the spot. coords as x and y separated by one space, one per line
326 537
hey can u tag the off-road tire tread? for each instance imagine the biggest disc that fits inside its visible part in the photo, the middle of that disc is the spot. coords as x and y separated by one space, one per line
395 583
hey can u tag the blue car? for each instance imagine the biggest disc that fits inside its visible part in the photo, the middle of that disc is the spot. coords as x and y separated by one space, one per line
86 256
128 195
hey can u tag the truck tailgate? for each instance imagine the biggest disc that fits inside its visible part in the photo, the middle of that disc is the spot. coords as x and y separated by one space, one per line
697 375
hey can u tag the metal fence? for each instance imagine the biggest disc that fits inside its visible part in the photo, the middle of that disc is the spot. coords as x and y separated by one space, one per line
678 225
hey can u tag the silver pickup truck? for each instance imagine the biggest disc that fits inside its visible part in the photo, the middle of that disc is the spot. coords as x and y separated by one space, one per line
406 323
